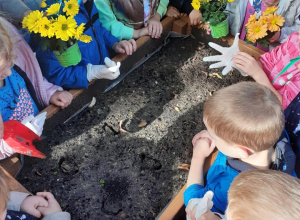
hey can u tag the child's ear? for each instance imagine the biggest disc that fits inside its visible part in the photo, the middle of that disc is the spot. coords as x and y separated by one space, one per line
244 152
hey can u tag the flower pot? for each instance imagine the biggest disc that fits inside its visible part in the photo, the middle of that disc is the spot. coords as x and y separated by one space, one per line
220 30
71 57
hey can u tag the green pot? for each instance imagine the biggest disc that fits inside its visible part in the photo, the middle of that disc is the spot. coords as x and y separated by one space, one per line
70 57
220 30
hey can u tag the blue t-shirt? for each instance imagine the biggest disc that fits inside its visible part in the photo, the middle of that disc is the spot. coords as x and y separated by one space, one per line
15 101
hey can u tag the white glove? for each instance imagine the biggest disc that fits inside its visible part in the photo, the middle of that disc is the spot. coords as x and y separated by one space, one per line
110 70
226 57
203 205
5 150
36 124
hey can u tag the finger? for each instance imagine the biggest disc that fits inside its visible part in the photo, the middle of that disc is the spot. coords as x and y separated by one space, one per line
216 47
154 31
133 43
48 195
150 29
217 65
226 70
159 31
35 213
42 203
213 58
127 48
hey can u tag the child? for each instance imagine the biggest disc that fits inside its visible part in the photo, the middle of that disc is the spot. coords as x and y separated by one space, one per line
91 65
260 195
179 7
125 20
243 121
241 11
43 204
270 70
21 94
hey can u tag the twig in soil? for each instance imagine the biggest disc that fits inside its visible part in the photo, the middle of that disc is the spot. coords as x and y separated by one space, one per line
206 73
142 124
121 129
184 166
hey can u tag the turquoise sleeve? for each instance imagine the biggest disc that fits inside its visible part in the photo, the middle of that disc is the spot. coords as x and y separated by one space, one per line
110 22
162 8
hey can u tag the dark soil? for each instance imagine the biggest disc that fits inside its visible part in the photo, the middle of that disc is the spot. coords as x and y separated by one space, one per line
97 172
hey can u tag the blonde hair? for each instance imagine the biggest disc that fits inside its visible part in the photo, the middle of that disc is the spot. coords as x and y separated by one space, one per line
264 194
4 190
247 114
271 3
6 41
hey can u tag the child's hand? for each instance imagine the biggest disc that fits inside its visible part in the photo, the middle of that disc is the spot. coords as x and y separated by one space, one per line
248 65
141 32
31 204
154 26
173 12
275 37
195 17
61 99
53 206
203 145
125 46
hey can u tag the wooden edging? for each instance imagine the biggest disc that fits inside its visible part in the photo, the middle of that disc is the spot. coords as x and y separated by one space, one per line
166 23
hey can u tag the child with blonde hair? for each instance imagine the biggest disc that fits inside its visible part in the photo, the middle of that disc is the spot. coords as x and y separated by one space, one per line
244 121
14 204
260 195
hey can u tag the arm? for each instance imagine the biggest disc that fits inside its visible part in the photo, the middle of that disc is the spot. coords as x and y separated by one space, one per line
110 22
162 8
15 200
287 31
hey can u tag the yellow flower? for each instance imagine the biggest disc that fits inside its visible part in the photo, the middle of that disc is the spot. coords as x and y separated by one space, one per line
53 9
270 10
275 22
71 8
79 31
65 28
196 4
257 30
85 38
46 28
251 20
251 38
230 0
43 4
263 19
31 21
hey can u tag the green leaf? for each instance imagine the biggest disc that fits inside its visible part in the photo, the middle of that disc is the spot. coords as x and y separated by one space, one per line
102 182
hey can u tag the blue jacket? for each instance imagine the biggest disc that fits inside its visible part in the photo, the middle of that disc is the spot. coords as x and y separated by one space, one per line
93 52
225 169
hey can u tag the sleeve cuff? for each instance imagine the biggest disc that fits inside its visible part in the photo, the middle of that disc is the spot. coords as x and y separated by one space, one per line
58 215
193 191
15 200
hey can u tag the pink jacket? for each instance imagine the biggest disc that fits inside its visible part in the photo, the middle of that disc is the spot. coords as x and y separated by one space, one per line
27 61
288 84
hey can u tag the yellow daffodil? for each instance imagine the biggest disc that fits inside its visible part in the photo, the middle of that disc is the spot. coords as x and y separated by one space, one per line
65 28
71 7
53 9
251 20
43 4
79 31
196 4
46 28
257 30
270 10
32 20
275 22
85 38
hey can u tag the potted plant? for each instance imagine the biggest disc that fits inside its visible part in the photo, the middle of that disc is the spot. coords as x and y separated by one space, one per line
57 30
260 29
214 13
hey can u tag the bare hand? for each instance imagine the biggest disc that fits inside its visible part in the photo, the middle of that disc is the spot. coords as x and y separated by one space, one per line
53 206
141 32
125 46
173 12
154 26
32 204
203 145
275 37
195 17
247 64
61 99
